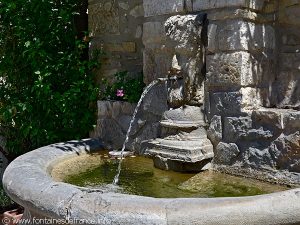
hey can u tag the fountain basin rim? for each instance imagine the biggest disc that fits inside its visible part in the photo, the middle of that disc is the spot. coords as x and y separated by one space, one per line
28 182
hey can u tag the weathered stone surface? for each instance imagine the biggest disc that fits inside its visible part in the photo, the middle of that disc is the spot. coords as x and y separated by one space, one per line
243 14
229 69
103 19
158 7
120 47
147 132
290 61
288 89
184 33
212 37
239 69
156 64
225 103
137 11
288 13
154 32
269 119
258 157
235 127
241 35
215 130
251 98
184 38
286 151
184 113
226 153
291 121
212 4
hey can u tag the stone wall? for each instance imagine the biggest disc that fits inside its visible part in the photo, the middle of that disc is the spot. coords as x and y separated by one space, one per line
116 27
288 79
251 84
250 76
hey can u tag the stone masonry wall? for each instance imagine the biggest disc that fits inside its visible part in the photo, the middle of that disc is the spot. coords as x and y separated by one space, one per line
244 61
288 79
116 27
252 75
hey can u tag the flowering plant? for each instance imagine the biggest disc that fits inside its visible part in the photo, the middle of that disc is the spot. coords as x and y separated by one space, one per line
123 88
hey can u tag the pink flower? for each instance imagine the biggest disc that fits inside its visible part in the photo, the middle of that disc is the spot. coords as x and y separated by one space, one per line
120 93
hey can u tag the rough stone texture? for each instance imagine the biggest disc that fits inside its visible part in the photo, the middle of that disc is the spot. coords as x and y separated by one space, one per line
116 28
158 7
268 140
211 4
225 103
214 132
237 69
184 38
252 61
226 154
114 118
238 35
42 197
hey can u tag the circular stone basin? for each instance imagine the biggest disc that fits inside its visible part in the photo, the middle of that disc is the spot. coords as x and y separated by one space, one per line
28 181
139 177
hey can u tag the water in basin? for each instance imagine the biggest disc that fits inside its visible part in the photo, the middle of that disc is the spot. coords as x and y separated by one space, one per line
139 177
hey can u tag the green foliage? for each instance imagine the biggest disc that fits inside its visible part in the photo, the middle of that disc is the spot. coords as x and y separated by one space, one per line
123 88
5 201
47 91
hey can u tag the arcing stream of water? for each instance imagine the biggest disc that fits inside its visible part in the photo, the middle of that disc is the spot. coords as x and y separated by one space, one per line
147 89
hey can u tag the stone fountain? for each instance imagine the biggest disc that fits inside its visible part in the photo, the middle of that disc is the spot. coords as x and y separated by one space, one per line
183 145
253 127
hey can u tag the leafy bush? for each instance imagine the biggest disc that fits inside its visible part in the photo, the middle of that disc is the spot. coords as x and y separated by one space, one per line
47 91
123 88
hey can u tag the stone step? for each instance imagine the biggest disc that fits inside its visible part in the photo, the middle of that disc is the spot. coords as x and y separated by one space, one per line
185 151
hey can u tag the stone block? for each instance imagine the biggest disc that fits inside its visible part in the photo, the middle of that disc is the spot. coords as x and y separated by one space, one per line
158 7
290 38
242 14
225 154
242 35
251 98
288 89
238 69
110 133
120 47
229 69
157 63
137 11
268 119
286 151
215 130
153 33
257 157
289 61
103 19
236 127
199 5
288 14
104 109
226 103
291 121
